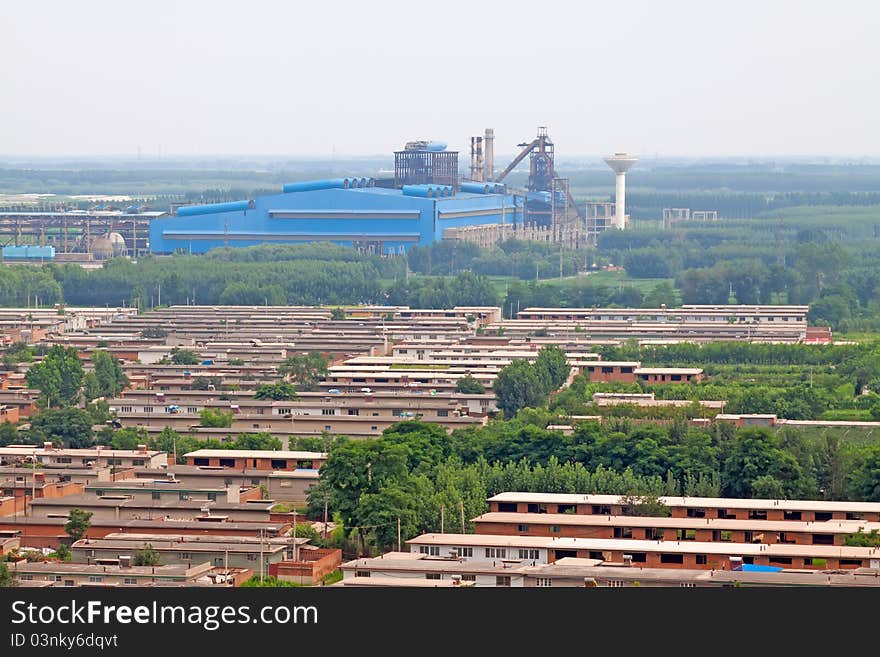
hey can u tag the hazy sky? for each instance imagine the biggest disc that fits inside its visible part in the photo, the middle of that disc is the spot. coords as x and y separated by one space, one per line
296 77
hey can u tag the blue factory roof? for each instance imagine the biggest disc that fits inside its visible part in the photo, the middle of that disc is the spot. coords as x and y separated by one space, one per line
334 210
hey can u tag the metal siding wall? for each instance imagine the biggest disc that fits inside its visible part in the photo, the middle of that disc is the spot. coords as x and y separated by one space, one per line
258 220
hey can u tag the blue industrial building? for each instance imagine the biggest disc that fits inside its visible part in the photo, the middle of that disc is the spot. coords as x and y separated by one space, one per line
348 211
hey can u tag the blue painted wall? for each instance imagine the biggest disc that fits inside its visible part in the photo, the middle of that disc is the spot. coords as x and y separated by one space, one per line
335 215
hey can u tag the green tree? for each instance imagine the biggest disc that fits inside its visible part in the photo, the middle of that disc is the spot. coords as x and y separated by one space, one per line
281 391
70 427
216 419
863 539
267 581
184 357
468 385
644 505
58 377
146 557
6 578
305 370
9 434
518 386
110 378
63 552
78 523
864 481
756 454
337 314
128 438
552 367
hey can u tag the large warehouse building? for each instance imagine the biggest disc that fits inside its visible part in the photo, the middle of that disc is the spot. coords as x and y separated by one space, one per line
424 199
372 218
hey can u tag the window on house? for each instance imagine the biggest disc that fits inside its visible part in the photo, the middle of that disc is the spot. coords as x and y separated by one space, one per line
594 554
131 581
623 532
157 495
251 557
696 512
433 576
822 516
522 528
639 557
278 464
791 515
184 555
96 578
543 581
502 580
855 515
701 559
431 550
537 508
125 409
566 508
183 495
601 510
823 539
724 515
528 554
555 529
212 497
614 583
328 411
757 514
781 561
496 553
353 411
442 412
200 461
148 409
362 573
507 507
192 409
465 551
137 462
850 562
468 578
227 463
671 558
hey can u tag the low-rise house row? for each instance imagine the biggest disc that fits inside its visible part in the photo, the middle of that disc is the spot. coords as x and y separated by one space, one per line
828 532
689 507
665 554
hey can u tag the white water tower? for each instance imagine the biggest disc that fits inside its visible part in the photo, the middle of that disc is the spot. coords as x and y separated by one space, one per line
620 163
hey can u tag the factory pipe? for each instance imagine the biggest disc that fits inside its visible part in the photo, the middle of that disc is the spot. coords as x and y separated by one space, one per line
212 208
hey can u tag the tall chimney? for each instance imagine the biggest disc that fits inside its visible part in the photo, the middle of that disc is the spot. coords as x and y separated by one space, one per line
489 161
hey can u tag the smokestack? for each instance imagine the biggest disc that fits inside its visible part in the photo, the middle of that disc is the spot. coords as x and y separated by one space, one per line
479 167
620 163
489 162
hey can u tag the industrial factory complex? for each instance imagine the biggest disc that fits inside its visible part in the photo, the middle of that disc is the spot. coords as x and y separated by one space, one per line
428 199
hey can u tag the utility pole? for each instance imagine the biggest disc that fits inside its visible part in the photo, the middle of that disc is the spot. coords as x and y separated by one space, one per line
461 506
398 533
261 554
294 535
442 518
33 484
